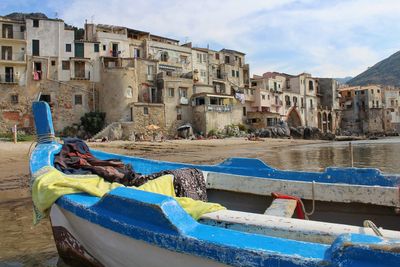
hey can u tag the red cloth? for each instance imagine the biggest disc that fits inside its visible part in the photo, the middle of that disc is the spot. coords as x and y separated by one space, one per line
299 207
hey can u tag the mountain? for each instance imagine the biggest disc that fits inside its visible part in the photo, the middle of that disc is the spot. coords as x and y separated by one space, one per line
385 72
22 16
343 80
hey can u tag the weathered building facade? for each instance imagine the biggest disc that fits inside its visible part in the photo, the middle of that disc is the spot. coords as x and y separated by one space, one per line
44 65
293 99
364 110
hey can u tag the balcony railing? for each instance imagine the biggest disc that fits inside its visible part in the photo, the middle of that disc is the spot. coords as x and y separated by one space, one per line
16 35
13 56
219 108
81 75
9 78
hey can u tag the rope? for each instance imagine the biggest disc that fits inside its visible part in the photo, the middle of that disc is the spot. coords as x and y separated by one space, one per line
41 139
370 224
306 214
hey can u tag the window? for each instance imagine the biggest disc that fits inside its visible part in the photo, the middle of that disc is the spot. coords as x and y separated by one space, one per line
129 92
199 58
183 92
178 113
251 91
171 92
263 97
22 28
184 59
378 91
227 60
233 73
216 55
45 98
268 97
244 111
204 57
14 99
311 103
136 53
36 23
372 91
237 73
310 85
65 65
53 62
164 56
104 47
96 48
35 47
150 70
67 47
78 100
145 110
203 73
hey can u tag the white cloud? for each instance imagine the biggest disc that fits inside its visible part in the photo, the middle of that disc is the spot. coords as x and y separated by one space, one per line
327 38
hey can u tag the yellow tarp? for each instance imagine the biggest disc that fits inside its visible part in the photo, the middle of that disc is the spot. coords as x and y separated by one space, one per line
50 184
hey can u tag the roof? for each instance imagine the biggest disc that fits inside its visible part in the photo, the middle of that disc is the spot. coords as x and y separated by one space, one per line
231 51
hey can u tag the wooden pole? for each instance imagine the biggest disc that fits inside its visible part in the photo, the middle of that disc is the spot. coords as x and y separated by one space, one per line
351 154
15 133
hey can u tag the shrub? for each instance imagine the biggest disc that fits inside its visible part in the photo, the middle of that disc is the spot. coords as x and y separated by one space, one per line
93 122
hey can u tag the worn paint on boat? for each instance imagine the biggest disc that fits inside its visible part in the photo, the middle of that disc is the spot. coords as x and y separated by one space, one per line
131 227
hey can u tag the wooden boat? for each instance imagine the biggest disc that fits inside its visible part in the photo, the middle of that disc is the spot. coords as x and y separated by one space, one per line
129 227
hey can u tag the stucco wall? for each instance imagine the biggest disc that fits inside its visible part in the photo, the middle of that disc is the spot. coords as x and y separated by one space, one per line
114 96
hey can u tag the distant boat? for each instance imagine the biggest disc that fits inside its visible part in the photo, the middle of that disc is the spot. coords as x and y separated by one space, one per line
129 227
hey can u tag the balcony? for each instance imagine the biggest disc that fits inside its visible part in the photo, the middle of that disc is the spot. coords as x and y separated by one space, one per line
13 37
13 58
9 79
277 104
219 108
81 76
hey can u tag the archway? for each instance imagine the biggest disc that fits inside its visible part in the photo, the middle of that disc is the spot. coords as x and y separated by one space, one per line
324 122
293 118
319 121
330 122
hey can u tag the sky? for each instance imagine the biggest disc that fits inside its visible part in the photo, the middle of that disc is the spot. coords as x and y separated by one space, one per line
327 38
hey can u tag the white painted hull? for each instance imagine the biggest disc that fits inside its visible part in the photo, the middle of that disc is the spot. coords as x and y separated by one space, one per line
103 247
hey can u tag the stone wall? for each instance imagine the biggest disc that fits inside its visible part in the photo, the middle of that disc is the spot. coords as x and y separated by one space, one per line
15 113
118 90
155 115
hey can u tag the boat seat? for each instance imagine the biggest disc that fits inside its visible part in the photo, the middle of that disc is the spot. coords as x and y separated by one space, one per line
282 208
296 229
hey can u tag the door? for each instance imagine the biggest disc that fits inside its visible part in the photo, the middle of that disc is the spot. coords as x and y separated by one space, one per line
6 52
79 69
79 51
7 31
9 74
115 50
35 47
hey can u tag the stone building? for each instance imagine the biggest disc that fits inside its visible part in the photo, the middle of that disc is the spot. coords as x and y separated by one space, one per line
43 66
364 110
293 98
13 75
392 103
328 105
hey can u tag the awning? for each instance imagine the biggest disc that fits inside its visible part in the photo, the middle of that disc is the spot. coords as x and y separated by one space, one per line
167 67
221 96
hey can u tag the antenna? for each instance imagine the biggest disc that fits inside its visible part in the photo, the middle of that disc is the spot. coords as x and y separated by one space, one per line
56 14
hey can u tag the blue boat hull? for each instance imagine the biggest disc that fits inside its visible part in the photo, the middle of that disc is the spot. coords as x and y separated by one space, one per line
159 224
